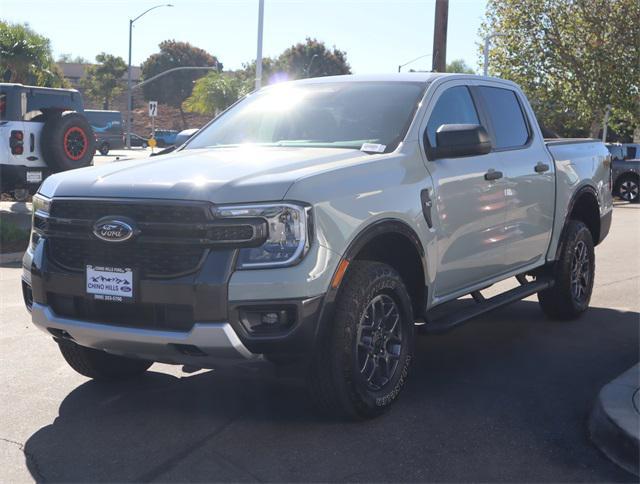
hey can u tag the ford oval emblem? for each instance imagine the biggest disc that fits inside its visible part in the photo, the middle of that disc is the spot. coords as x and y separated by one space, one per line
113 230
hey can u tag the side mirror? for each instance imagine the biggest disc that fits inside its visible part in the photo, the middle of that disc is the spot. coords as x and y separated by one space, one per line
457 140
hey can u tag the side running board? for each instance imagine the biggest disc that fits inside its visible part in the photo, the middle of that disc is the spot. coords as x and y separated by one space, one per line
482 306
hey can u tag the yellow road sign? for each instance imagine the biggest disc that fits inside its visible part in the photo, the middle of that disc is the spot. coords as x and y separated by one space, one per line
152 142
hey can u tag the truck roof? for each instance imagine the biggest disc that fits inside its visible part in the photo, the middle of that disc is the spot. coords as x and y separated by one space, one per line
426 77
6 86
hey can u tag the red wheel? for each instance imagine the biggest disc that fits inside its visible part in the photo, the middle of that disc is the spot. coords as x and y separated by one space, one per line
75 143
67 141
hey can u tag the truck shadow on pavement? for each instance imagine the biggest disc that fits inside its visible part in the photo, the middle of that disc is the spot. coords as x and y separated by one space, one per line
504 398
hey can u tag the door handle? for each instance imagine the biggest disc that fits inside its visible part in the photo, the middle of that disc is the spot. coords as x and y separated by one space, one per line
541 167
492 175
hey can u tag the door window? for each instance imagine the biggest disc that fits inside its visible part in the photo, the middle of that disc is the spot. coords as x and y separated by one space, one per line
454 106
504 111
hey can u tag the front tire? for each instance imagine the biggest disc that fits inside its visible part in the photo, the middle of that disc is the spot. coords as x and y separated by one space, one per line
100 365
574 273
362 360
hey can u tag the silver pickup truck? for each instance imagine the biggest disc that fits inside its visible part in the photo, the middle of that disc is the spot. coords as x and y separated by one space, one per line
316 225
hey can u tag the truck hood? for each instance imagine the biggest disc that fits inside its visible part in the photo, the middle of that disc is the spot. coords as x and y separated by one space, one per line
219 175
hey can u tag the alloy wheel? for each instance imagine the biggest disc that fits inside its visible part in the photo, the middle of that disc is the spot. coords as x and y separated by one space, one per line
629 190
580 272
380 340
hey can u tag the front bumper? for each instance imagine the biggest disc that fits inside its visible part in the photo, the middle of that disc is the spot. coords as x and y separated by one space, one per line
215 336
206 343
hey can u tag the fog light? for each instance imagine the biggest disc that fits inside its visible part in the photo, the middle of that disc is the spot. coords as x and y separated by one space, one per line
261 320
270 318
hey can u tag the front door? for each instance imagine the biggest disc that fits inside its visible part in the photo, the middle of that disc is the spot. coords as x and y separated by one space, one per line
468 202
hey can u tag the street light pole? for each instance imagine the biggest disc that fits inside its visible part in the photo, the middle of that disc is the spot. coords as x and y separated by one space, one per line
259 53
412 61
487 42
129 95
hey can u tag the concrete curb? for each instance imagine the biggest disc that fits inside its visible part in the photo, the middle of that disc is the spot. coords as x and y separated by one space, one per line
11 257
614 424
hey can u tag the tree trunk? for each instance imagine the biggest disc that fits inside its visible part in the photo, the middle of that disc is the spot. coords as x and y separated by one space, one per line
594 130
105 104
184 119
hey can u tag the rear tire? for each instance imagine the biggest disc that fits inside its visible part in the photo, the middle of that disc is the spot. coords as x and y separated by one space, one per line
362 359
100 365
67 141
574 272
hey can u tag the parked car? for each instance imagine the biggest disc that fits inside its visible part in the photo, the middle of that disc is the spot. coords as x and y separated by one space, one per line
312 225
139 141
626 180
165 137
108 127
625 172
632 151
617 150
184 135
42 131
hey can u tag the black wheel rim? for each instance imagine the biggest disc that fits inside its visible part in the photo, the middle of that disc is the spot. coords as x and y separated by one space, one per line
629 190
380 340
580 272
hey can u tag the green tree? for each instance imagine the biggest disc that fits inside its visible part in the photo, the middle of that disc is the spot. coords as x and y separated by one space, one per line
25 57
104 80
78 59
459 66
312 59
176 87
572 58
217 91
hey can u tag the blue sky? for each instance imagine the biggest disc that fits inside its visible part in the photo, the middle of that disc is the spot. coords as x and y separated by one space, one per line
376 34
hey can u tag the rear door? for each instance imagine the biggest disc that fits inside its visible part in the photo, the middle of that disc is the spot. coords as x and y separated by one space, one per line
469 209
529 178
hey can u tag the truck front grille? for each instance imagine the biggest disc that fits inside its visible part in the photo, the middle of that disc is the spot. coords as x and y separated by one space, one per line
172 237
145 211
153 260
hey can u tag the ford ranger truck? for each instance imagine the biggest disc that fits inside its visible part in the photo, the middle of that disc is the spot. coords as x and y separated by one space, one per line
317 224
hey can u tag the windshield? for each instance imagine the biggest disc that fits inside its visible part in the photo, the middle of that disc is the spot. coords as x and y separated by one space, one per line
332 115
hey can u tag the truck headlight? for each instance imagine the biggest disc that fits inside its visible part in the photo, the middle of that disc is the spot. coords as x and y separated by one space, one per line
289 233
41 204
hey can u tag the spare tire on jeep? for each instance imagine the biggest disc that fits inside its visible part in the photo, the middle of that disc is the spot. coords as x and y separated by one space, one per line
67 141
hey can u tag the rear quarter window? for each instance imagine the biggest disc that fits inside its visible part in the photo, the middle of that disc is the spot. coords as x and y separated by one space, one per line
506 116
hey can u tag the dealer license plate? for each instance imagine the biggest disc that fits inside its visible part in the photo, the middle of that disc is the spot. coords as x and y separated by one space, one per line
110 283
34 176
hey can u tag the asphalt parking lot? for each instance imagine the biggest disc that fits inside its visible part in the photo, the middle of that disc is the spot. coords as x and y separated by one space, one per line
504 398
118 155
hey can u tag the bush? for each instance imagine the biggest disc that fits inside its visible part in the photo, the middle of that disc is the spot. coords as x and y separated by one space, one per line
12 237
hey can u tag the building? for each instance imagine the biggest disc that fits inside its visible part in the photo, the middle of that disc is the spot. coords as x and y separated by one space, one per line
74 72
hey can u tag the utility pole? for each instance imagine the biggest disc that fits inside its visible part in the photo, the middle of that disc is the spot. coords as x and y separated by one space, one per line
259 54
440 36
